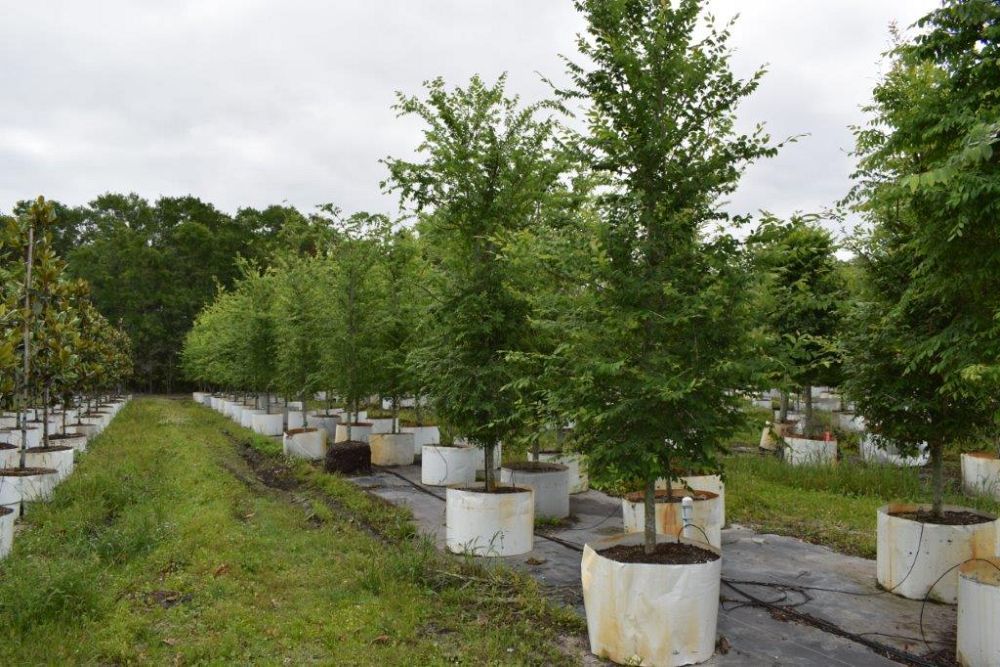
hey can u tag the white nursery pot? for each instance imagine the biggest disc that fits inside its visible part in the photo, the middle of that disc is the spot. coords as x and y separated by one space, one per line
86 430
391 449
443 466
711 483
10 492
647 613
13 436
198 396
326 421
809 451
7 517
266 424
295 405
981 474
578 480
904 570
360 432
551 487
59 458
874 451
77 441
10 456
295 420
381 424
706 514
36 486
305 443
850 422
246 417
978 642
423 435
489 524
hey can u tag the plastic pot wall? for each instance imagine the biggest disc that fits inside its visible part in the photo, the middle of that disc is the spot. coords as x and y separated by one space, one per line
912 556
266 424
981 474
489 524
551 489
423 435
7 532
391 449
60 460
359 432
706 514
309 444
888 454
978 643
443 466
578 480
805 451
710 483
650 614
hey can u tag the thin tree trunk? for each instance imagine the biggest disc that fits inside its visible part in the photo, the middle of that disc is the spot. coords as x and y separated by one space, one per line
783 407
937 477
649 543
490 473
395 414
45 419
305 413
807 417
27 339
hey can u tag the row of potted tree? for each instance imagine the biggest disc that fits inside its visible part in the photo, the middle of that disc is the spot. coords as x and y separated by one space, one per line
60 363
590 281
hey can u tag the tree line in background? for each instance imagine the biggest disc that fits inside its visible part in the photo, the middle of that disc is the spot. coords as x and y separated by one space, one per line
153 266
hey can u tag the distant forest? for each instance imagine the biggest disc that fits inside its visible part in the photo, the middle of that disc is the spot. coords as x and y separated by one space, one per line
152 266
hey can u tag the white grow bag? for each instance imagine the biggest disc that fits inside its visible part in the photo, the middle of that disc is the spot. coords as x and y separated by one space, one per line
650 614
489 524
909 571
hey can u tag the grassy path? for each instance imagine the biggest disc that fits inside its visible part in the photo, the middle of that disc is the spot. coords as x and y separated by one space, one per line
830 505
163 547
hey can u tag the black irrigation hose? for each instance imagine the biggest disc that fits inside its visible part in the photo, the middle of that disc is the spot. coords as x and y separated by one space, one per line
826 626
790 609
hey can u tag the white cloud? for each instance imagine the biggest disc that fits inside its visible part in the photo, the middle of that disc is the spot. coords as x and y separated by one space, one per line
255 102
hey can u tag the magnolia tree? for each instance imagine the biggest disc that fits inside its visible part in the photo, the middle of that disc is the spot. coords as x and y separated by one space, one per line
484 164
655 344
923 361
801 304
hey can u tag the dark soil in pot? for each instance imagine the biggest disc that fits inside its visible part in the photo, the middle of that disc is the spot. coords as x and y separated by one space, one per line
296 431
4 511
349 457
50 448
534 466
26 472
498 490
412 423
66 436
671 496
983 455
7 446
666 553
947 518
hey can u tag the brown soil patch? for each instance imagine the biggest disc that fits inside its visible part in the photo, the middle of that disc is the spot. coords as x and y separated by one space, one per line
534 466
947 518
671 496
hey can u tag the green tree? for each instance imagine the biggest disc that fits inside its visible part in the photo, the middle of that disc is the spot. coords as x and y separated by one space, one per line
801 303
350 352
924 354
486 163
656 344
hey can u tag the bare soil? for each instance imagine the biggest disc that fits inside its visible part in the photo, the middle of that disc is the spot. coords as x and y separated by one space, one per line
946 518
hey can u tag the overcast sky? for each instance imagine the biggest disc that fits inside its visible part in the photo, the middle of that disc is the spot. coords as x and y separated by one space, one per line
252 102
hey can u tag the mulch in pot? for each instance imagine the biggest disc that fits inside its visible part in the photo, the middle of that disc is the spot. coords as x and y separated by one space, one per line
671 495
349 457
51 448
26 472
947 518
666 553
534 466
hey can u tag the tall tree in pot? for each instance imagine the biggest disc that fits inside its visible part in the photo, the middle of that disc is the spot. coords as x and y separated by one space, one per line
658 341
923 361
485 164
801 304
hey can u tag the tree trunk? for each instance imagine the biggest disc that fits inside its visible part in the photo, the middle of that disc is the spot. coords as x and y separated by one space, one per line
489 472
649 544
26 387
807 415
305 413
783 409
395 414
937 477
45 418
